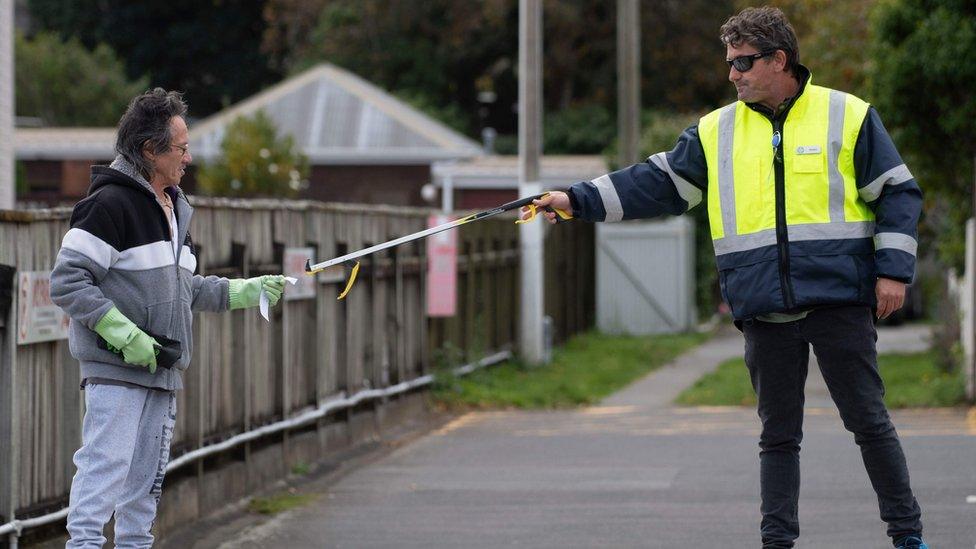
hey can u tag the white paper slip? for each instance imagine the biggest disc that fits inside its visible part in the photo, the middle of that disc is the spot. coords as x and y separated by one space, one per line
265 304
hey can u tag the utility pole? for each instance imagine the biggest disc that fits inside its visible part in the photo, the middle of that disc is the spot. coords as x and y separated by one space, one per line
8 184
530 145
970 336
628 81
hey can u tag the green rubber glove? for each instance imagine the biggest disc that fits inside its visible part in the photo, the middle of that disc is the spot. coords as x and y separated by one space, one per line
247 293
138 348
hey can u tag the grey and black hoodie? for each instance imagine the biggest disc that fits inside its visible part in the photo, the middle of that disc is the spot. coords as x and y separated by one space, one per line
118 252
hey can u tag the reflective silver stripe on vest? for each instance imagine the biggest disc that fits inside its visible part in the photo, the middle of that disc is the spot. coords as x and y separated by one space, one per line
608 194
835 140
896 241
690 193
797 233
831 231
726 170
744 242
895 176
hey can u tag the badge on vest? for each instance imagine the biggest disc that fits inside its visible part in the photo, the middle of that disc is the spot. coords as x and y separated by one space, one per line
808 149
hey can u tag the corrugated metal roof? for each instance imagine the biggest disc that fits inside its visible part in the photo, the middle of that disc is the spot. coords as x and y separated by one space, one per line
337 117
502 172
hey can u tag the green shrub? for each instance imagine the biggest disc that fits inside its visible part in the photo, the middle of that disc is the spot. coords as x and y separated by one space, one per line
255 162
65 84
586 129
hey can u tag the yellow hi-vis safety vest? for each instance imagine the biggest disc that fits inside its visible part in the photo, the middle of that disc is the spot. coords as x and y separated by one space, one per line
817 199
817 139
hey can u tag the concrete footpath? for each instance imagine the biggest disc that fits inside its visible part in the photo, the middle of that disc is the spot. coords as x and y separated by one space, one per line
634 471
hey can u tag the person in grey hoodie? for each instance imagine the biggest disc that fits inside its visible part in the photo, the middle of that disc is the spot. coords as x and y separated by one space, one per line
125 277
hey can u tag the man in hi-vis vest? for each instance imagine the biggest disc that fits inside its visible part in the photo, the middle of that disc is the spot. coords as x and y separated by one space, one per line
814 219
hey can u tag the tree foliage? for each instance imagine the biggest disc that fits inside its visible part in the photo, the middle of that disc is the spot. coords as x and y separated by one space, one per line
208 49
64 84
441 50
255 162
588 128
466 53
922 87
832 36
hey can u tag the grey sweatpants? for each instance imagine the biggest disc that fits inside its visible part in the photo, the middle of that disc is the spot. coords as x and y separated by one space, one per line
121 463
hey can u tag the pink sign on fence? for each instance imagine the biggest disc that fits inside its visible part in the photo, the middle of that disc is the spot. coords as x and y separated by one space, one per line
441 269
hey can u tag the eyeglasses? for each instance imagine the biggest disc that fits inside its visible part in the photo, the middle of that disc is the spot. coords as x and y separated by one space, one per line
743 63
184 148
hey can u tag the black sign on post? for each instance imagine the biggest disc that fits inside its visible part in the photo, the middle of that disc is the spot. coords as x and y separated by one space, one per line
7 273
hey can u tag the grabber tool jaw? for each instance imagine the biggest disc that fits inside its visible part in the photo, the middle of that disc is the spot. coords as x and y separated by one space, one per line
353 265
352 277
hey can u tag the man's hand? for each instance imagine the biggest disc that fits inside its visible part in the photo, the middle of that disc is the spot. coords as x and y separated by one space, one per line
247 293
120 334
273 285
141 350
555 199
891 296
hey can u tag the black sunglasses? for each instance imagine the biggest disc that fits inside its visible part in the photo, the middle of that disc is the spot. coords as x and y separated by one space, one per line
743 63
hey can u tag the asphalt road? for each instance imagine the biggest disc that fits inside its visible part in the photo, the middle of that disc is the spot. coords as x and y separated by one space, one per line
631 472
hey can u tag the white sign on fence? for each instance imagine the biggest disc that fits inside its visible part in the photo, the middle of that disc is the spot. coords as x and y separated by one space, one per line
441 269
294 263
38 318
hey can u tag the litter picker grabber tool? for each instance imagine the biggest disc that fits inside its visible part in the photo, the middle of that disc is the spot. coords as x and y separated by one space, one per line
349 259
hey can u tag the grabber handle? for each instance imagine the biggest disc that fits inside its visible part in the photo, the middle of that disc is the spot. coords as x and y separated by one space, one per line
562 216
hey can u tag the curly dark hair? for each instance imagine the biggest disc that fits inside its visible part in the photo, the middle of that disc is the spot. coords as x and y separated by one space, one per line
765 29
147 122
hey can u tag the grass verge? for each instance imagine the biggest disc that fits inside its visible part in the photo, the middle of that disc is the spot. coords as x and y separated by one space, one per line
911 381
584 371
727 385
279 502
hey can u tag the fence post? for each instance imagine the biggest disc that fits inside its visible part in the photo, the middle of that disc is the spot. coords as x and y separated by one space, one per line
9 429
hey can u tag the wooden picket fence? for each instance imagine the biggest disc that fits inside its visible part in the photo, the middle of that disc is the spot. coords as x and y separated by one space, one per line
246 372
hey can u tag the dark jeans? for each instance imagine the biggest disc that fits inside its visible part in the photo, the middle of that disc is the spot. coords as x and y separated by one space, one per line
843 339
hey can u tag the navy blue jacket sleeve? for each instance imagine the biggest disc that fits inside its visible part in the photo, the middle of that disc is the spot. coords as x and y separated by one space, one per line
890 190
666 183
